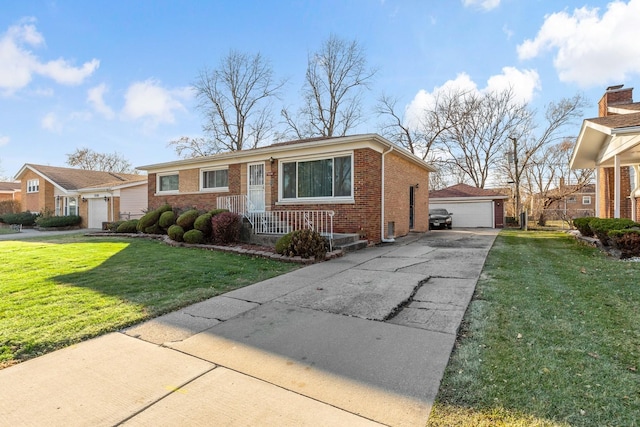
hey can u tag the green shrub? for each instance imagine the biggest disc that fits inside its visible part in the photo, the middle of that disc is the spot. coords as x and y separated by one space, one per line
582 224
193 236
307 244
22 218
602 226
154 229
176 233
149 219
59 221
282 245
215 212
130 226
167 219
164 208
203 223
113 226
186 219
226 227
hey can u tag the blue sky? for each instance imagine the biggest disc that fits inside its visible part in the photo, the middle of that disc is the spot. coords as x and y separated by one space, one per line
115 75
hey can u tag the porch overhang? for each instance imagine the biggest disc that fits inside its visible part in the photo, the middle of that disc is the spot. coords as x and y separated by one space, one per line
599 144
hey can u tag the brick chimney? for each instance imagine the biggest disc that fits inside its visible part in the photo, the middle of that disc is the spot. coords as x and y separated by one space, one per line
614 95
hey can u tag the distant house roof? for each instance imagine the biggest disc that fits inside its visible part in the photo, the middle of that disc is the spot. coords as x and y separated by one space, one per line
71 179
464 191
9 187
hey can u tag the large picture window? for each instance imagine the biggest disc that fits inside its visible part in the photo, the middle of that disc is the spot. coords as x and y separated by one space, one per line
168 182
322 178
215 179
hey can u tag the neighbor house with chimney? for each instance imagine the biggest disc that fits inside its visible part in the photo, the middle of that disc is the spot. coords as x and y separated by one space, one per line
610 144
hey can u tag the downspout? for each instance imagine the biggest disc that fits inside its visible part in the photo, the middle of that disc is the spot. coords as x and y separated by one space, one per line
382 238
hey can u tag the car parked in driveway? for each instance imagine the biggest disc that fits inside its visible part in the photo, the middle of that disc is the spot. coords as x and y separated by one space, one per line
440 218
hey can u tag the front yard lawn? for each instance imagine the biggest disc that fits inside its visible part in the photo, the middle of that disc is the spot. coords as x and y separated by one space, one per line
552 337
62 290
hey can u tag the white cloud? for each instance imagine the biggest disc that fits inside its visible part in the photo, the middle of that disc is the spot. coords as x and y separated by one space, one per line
482 4
4 140
524 84
51 123
590 49
95 97
18 64
153 103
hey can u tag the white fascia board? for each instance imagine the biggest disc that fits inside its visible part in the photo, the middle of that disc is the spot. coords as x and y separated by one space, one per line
466 199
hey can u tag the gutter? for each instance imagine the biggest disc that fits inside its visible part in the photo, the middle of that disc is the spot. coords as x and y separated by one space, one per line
382 238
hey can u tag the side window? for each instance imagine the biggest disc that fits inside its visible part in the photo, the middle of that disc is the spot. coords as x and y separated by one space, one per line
168 182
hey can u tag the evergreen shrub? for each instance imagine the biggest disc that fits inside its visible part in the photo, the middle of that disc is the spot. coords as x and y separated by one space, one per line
176 233
193 236
186 219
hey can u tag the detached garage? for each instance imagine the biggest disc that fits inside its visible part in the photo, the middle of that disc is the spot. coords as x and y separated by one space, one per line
471 206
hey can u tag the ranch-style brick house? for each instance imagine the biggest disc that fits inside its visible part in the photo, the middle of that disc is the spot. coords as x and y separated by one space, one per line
96 196
610 143
360 184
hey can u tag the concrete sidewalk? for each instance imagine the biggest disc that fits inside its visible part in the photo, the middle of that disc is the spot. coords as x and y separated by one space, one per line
359 340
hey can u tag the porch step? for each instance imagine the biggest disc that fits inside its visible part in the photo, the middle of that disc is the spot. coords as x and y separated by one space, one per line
353 246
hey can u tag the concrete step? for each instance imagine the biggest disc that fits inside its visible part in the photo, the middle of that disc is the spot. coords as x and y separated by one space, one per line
353 246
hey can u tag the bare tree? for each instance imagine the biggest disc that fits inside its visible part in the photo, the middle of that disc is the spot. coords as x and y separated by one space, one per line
336 76
86 158
548 178
235 99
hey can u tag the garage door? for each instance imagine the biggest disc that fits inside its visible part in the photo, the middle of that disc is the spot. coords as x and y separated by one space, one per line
97 212
468 214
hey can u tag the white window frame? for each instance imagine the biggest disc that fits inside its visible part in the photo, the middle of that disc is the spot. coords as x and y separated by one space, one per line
586 200
33 185
314 200
160 175
213 189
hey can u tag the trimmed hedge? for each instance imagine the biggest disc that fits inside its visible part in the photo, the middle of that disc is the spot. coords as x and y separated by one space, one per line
215 212
186 219
176 233
602 226
167 219
148 220
130 226
203 223
59 221
22 218
226 227
193 236
582 224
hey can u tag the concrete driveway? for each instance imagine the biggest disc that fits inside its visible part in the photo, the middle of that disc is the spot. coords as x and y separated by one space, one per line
359 340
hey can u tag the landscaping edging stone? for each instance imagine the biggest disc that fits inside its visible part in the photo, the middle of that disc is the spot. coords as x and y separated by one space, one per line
232 249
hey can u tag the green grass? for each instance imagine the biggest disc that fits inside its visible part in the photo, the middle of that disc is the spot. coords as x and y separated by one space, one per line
7 230
59 291
552 337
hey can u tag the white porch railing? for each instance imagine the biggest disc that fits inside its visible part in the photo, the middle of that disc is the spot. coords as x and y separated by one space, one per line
279 221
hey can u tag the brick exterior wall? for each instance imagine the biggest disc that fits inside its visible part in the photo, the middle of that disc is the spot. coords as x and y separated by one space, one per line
194 199
363 216
400 175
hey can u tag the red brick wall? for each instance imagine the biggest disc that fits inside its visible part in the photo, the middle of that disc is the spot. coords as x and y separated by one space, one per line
400 175
194 199
498 213
607 193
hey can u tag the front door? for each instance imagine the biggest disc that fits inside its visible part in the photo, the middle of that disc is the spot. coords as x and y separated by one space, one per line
256 187
98 212
411 206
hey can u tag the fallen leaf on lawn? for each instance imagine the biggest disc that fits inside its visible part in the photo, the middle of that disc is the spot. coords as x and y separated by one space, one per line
519 336
583 270
632 368
594 355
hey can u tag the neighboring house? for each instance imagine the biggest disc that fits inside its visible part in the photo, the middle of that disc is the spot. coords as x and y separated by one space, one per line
611 145
94 195
471 206
360 184
577 204
9 191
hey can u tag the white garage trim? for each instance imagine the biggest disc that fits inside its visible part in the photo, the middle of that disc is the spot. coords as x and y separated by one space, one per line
479 213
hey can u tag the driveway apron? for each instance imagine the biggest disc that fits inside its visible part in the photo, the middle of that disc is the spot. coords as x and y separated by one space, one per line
359 340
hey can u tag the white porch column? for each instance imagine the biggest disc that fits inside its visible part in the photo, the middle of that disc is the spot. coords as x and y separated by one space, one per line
596 213
616 179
